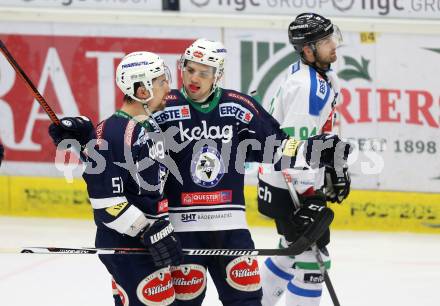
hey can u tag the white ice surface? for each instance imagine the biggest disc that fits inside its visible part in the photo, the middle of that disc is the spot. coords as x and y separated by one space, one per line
368 269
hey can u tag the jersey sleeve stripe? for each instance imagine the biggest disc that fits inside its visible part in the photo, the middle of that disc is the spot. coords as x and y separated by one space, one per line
131 222
106 202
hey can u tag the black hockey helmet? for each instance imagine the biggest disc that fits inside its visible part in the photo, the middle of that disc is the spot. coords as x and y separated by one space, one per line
308 28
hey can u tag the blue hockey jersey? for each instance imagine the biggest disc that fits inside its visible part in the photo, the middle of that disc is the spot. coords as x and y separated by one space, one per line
218 137
125 176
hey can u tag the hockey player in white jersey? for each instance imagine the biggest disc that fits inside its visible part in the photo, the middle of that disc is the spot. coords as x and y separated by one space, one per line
304 105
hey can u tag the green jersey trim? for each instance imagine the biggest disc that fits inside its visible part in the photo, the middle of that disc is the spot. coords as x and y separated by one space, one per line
206 106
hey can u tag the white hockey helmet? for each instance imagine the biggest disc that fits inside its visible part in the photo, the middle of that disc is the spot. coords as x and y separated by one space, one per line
207 52
141 67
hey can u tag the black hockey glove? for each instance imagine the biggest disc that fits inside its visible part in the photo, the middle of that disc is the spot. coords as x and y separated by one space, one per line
164 246
327 150
312 221
78 128
2 153
337 187
310 206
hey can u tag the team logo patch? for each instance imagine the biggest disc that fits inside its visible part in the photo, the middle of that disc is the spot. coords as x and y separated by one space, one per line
321 87
206 198
198 54
224 133
173 113
313 278
115 210
235 110
171 97
189 281
118 290
162 206
207 167
156 289
243 274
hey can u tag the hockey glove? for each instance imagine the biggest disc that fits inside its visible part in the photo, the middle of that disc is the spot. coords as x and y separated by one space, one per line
2 153
337 187
312 220
164 246
327 150
78 128
317 232
310 207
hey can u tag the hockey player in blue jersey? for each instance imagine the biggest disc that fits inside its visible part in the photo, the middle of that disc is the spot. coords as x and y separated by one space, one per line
127 196
215 126
304 105
208 211
222 129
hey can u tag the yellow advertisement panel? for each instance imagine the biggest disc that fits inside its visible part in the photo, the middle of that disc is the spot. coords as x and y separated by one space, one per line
44 197
362 210
373 211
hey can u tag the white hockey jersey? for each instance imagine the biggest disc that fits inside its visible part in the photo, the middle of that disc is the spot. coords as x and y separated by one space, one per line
304 106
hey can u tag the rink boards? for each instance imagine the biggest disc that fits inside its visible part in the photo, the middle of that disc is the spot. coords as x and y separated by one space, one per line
363 210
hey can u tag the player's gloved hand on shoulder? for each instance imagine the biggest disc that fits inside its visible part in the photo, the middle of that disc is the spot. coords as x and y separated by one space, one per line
78 128
318 151
164 246
290 148
2 153
337 185
327 150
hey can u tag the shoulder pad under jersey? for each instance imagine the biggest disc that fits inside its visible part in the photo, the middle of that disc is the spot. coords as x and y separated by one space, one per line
242 99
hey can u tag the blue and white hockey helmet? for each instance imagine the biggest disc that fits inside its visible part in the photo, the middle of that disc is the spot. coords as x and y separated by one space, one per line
140 67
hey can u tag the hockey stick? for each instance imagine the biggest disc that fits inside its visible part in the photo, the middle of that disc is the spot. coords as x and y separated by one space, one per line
131 251
46 107
314 247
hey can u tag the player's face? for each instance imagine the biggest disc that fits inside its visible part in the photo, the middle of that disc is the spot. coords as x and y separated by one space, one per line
326 51
326 48
161 88
198 80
